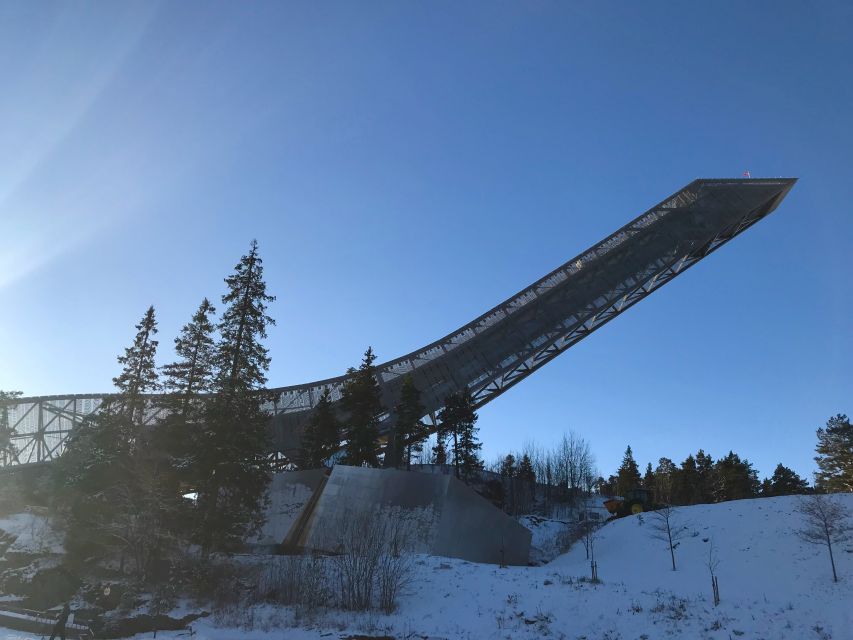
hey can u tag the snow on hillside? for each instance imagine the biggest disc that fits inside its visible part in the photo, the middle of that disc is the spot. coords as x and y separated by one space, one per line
32 532
549 536
773 587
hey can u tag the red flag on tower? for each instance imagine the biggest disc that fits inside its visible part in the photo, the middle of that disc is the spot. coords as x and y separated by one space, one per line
746 174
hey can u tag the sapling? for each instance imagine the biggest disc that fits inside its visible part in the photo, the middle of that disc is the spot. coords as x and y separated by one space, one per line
826 521
665 526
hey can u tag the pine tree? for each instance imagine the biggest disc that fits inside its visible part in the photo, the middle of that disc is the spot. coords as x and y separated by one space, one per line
439 451
688 486
607 487
508 466
139 373
459 420
409 431
835 455
525 469
182 432
322 434
707 480
108 475
784 482
649 478
509 473
362 402
8 451
447 420
527 478
736 479
193 372
665 481
469 445
628 475
230 464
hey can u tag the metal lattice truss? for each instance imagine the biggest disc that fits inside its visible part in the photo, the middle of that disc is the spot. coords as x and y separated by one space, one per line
40 426
508 343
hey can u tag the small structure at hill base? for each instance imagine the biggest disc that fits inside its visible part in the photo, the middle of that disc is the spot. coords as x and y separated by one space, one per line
451 518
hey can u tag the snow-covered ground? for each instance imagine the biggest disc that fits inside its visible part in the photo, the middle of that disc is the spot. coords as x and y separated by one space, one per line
32 532
548 539
773 587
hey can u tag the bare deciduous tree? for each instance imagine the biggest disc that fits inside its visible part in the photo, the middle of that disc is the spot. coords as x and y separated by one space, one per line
712 563
373 554
574 464
588 530
667 527
301 581
826 521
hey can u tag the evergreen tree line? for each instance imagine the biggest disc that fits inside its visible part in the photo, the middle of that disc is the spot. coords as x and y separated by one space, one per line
349 433
700 479
177 459
518 481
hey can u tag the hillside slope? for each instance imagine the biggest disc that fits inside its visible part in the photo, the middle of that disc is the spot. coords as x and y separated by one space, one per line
773 587
772 584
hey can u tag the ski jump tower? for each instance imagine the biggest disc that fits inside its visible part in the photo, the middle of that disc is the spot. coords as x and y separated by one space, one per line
507 343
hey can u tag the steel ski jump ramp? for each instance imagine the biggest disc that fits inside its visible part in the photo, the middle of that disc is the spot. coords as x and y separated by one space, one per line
509 342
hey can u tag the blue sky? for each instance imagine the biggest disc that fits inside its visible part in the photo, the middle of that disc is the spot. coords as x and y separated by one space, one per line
406 166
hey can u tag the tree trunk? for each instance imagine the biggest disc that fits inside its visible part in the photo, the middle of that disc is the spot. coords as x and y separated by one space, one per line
456 454
671 550
190 380
831 559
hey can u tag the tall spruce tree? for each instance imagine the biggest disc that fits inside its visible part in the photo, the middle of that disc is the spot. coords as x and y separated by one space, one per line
409 431
447 419
835 455
628 475
469 444
139 373
231 462
458 419
507 469
649 478
322 434
180 435
193 372
109 484
439 451
526 472
8 450
361 400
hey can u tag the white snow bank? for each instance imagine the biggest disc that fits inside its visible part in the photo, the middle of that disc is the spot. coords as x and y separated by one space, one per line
773 586
33 533
548 535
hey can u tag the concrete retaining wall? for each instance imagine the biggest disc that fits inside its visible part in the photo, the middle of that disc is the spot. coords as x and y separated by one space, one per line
453 520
